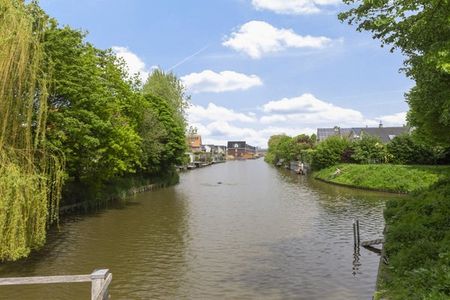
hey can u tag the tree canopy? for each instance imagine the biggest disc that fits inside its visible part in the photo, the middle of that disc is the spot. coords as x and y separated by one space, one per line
420 29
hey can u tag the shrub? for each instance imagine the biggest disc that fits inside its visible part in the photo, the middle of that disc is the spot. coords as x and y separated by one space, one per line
369 150
418 245
405 150
329 152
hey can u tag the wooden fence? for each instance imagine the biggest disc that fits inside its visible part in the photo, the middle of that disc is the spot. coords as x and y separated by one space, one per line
100 280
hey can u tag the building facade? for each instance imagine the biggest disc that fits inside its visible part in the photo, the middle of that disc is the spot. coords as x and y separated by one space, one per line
240 150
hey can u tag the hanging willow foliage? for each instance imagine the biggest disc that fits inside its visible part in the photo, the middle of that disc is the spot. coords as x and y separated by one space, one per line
30 176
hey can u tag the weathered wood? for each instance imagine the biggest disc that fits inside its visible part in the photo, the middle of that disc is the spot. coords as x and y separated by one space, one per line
99 284
100 280
45 279
372 242
103 293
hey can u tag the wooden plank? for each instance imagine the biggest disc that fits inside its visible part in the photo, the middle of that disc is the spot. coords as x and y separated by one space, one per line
45 279
372 242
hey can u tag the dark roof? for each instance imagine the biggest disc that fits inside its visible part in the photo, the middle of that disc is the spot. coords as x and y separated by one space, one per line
386 134
324 133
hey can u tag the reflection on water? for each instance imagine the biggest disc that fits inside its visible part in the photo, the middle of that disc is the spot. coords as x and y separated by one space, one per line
240 230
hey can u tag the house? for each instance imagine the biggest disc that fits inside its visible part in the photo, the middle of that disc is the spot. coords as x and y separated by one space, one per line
324 133
240 150
195 142
385 134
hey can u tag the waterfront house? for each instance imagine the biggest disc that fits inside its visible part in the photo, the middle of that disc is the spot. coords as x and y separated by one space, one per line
240 150
194 142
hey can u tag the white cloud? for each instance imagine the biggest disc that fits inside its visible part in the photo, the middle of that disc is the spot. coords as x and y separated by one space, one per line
397 119
134 62
307 109
257 38
293 7
212 112
291 116
210 81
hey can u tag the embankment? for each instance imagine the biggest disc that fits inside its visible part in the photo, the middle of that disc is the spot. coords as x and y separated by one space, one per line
384 177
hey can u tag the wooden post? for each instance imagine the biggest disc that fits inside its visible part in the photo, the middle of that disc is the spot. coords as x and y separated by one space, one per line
357 231
99 289
356 238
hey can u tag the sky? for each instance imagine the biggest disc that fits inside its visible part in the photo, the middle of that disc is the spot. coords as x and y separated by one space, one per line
253 68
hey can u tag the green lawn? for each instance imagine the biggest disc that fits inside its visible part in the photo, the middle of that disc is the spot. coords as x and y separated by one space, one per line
385 177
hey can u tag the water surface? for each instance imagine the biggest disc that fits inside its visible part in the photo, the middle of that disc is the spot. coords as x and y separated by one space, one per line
239 230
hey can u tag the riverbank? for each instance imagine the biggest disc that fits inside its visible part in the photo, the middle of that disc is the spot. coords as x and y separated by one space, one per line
417 246
85 197
384 177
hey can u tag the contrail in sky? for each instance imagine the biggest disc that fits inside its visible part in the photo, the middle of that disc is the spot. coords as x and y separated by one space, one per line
187 58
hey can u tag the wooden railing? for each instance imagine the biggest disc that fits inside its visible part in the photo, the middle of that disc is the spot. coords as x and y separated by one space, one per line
100 280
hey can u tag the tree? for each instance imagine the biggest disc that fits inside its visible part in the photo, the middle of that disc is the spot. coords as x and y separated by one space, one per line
369 150
170 143
167 86
329 152
420 29
404 149
92 109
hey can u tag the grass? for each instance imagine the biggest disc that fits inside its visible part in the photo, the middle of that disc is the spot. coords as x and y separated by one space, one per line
418 246
385 177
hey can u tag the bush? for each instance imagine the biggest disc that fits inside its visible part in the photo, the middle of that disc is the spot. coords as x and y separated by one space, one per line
403 149
330 152
418 245
369 150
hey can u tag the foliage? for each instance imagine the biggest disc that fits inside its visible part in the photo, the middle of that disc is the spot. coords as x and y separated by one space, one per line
418 245
420 29
171 140
91 108
369 150
329 152
405 149
30 175
169 87
283 147
385 177
61 97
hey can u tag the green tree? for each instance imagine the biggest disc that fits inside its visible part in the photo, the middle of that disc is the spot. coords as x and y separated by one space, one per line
420 29
405 149
329 152
168 141
369 150
92 109
169 87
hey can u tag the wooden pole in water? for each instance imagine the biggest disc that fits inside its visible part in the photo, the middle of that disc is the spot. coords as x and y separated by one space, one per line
357 231
354 233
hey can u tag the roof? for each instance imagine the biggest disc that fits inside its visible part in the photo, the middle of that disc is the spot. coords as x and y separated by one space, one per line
386 134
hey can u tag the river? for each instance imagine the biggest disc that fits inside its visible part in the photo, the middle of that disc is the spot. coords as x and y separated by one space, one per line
238 230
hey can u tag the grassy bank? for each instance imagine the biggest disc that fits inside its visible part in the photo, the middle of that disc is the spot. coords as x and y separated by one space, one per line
418 246
385 177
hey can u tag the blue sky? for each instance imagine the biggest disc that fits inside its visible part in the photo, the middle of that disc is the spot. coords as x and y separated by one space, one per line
253 67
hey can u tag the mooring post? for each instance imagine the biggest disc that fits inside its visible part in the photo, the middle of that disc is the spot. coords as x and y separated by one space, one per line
356 239
357 231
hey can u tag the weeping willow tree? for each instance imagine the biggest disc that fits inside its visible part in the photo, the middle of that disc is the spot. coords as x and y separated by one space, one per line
30 176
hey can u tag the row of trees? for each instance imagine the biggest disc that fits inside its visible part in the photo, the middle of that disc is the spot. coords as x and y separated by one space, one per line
404 149
70 112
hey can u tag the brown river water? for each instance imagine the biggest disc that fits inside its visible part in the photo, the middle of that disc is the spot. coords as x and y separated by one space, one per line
261 233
